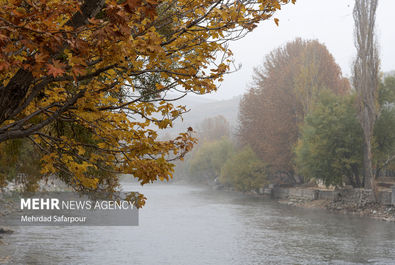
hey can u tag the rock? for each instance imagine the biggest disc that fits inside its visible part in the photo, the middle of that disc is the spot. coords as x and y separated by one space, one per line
5 231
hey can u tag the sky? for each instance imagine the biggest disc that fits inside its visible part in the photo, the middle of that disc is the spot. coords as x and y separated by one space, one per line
328 21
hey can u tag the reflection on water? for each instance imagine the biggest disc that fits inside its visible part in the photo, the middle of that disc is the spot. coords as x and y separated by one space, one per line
192 225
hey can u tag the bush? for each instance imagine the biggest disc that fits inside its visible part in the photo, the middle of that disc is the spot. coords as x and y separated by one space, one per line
243 170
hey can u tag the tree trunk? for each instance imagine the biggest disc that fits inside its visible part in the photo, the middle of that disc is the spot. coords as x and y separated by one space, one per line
367 164
13 94
357 179
366 79
352 181
370 181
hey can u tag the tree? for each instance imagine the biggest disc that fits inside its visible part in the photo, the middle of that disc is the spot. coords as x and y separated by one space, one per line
209 131
330 145
243 170
383 146
366 77
213 128
102 68
285 88
207 161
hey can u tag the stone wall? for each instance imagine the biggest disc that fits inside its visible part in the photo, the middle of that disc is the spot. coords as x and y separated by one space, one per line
304 194
329 195
384 198
356 195
280 193
359 196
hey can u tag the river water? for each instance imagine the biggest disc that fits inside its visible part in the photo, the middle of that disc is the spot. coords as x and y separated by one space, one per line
195 225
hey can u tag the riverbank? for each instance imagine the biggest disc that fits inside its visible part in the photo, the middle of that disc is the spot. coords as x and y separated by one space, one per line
373 210
344 201
6 207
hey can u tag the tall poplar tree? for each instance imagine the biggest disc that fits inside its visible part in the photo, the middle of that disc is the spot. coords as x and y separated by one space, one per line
366 78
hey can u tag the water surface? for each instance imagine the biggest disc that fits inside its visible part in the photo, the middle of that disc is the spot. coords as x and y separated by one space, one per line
195 225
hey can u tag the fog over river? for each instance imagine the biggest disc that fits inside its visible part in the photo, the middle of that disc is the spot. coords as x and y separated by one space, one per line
195 225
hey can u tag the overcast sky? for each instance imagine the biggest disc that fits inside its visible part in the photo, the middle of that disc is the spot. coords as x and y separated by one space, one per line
329 21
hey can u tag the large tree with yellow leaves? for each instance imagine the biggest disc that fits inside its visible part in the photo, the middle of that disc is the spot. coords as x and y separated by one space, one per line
86 81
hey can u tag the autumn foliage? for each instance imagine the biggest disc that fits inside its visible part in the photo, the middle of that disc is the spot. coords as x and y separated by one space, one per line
85 81
285 88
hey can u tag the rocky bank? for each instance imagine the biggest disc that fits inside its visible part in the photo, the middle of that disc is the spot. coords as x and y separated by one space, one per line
370 209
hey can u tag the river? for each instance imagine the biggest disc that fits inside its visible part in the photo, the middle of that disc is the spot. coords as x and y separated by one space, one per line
195 225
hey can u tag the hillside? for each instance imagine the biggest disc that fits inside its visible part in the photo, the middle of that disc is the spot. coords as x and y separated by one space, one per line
202 108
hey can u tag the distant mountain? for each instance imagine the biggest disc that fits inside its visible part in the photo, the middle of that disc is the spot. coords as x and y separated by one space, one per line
202 108
194 100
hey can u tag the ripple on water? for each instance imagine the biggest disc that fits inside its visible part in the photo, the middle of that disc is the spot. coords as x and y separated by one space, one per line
193 225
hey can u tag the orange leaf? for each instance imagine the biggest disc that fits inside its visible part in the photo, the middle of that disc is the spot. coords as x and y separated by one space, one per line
40 58
55 69
78 70
133 4
4 66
